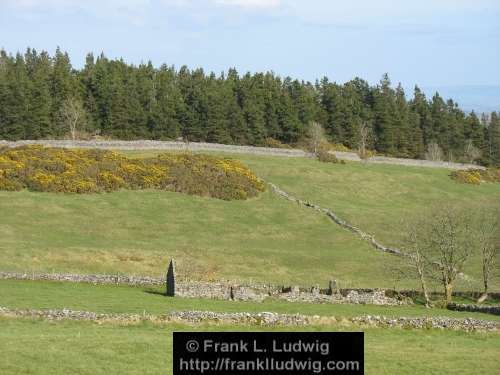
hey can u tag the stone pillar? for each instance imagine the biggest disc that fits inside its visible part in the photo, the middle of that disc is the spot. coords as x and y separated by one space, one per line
171 279
231 294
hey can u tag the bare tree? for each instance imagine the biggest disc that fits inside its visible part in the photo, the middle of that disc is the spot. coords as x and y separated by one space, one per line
471 152
450 245
316 136
437 246
415 263
488 241
364 136
434 152
73 115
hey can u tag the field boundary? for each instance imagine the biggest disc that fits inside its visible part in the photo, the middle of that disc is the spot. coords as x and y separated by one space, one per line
336 219
254 319
203 146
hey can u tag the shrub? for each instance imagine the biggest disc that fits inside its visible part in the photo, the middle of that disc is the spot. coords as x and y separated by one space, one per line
476 176
274 143
325 156
90 171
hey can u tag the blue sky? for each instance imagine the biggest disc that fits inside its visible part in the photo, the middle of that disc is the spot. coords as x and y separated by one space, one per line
434 43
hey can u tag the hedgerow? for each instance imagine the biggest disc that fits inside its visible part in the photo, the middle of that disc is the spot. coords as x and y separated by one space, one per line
476 176
38 168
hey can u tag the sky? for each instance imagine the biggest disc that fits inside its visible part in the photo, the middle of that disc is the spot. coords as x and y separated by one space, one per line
445 44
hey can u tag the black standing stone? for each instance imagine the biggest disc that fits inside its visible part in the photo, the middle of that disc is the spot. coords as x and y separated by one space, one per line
171 279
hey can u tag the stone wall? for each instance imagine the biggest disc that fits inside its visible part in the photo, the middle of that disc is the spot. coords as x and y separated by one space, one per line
259 319
337 220
202 146
92 279
495 310
232 291
256 292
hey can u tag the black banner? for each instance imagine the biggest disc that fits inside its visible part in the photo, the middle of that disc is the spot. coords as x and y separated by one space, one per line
268 353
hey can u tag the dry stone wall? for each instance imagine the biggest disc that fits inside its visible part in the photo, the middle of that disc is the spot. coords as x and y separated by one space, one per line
202 146
91 279
259 319
495 310
336 219
232 291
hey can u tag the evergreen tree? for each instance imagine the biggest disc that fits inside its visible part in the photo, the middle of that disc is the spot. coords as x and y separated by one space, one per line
494 139
63 87
14 97
384 113
168 106
38 118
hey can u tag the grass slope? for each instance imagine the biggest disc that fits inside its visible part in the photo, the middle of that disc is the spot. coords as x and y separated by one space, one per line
265 239
40 347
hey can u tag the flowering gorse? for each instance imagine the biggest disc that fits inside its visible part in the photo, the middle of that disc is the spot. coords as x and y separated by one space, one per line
38 168
476 176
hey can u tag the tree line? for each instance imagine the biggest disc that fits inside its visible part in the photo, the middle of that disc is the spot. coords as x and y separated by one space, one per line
41 94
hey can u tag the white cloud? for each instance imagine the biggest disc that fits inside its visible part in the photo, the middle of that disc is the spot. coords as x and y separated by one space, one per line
249 4
74 4
133 11
313 11
105 6
357 11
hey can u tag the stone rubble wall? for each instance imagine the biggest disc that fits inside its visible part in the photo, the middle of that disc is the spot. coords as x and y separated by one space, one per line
495 310
91 279
231 291
259 319
203 146
336 219
427 322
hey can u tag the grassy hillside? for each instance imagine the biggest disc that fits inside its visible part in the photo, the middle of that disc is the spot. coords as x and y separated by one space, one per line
264 239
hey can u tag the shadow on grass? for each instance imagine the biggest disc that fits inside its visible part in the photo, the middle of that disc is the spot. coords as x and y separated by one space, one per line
155 292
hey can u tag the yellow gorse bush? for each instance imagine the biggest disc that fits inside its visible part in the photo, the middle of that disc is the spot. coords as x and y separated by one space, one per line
38 168
476 176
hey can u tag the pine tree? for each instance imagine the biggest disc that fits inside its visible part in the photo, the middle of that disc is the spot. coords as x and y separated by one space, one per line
217 121
14 97
420 106
384 117
251 99
168 106
402 124
38 118
494 139
62 87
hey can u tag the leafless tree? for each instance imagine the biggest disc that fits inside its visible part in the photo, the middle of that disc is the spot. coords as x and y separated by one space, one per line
487 240
73 115
450 244
471 152
364 136
438 246
415 263
316 136
434 152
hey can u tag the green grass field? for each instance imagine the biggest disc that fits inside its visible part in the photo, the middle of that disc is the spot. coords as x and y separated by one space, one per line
266 239
138 300
40 347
